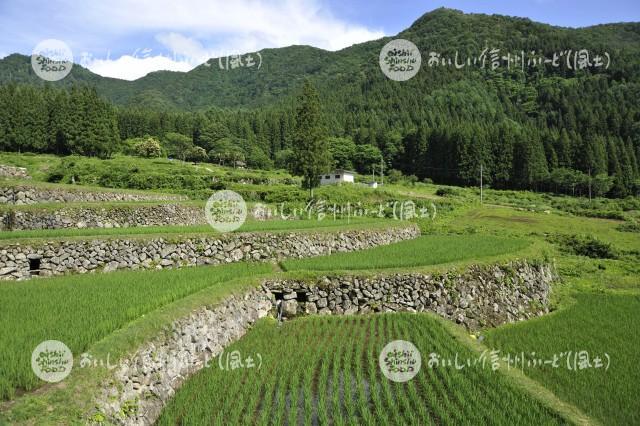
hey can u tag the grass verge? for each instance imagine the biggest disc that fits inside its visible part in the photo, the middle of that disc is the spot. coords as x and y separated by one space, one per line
196 230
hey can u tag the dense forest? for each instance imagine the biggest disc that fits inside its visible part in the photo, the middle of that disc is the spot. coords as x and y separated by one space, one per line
542 127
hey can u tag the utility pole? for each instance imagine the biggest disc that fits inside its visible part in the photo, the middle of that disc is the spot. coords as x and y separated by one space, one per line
381 171
589 184
480 183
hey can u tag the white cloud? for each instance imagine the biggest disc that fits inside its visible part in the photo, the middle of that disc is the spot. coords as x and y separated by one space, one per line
192 50
184 46
196 30
127 67
276 22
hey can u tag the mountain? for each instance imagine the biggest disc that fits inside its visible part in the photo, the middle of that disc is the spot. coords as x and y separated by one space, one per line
282 69
545 126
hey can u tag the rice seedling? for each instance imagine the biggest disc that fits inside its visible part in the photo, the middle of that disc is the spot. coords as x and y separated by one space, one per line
422 251
335 361
596 323
82 309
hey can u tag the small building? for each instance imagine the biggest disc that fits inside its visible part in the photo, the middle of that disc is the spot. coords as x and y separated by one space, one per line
337 176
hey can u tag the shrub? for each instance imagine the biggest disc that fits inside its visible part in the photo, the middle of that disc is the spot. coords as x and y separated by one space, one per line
217 185
446 191
55 176
411 179
629 227
148 148
394 176
195 154
585 245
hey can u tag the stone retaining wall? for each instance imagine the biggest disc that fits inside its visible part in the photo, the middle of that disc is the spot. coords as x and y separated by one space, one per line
482 296
144 382
94 217
14 172
488 295
18 261
22 194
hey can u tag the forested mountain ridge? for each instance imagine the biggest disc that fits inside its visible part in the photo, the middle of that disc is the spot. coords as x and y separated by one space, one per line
541 127
442 30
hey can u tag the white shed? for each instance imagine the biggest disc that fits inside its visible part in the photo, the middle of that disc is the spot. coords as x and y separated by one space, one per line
337 176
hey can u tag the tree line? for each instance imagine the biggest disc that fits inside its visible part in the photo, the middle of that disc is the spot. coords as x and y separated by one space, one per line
48 120
568 136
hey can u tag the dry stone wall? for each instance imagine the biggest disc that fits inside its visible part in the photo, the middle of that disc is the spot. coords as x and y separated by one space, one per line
107 217
144 382
23 194
14 172
481 296
22 261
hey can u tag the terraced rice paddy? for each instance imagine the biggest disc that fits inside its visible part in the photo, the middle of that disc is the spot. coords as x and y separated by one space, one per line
80 310
324 370
597 323
250 225
422 251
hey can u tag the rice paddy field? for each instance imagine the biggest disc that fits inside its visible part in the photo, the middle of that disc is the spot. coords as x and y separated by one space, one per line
251 225
599 324
82 309
506 221
422 251
324 370
596 310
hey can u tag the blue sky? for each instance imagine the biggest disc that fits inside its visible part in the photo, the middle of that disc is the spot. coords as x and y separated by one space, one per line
129 38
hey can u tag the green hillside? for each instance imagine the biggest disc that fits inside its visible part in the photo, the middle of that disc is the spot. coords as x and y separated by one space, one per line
442 30
543 127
